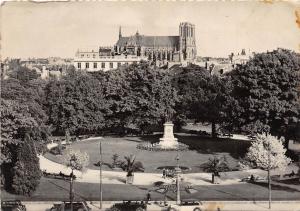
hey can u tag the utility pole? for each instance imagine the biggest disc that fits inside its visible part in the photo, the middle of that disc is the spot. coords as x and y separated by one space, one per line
100 150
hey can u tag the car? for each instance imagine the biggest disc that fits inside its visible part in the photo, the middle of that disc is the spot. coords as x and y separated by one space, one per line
130 206
186 205
15 205
66 206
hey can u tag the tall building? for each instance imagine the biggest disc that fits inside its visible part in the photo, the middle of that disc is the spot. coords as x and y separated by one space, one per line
162 50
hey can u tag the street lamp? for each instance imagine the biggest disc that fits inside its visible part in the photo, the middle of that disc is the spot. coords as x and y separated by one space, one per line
100 152
72 165
178 171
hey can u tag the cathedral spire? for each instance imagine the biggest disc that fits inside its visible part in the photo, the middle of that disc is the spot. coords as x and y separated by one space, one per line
120 32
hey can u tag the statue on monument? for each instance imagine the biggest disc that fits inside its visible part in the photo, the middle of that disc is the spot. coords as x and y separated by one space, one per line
169 115
168 140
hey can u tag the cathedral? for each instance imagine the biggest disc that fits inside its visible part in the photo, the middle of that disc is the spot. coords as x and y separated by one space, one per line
181 48
163 50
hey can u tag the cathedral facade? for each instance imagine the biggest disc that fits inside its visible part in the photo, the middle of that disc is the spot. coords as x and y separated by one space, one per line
179 48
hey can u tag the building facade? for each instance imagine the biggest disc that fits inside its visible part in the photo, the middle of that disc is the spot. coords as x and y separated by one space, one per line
104 59
131 49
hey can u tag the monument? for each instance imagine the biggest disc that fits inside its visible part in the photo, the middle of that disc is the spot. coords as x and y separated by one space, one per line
168 140
167 143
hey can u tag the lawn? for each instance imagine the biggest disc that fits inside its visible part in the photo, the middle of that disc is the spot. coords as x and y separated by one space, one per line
53 189
200 150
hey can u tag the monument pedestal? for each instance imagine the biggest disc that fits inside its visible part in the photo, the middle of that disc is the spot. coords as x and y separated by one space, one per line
168 140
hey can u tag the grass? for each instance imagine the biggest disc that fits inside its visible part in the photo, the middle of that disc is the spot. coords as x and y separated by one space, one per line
53 189
200 150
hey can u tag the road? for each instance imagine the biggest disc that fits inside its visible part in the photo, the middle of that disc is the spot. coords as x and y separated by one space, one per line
205 206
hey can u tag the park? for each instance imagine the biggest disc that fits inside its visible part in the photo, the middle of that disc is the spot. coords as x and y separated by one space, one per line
141 133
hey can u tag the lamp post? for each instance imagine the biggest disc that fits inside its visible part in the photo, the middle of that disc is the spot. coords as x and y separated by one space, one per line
177 169
72 164
100 151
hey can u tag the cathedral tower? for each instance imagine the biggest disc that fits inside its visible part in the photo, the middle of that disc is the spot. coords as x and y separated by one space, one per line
187 42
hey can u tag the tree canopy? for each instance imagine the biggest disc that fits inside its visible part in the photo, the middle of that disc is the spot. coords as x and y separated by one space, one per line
267 152
266 92
203 97
138 95
75 103
75 159
26 172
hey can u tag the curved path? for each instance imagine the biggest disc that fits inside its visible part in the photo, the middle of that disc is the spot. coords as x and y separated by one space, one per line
114 177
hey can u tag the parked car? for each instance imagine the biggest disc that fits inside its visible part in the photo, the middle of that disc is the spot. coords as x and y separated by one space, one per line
186 205
129 206
66 206
14 205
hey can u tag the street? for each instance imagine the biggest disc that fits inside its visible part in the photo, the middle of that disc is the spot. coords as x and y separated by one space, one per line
207 206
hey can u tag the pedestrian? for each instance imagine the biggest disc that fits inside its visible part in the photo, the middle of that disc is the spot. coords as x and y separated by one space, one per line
164 173
167 173
148 197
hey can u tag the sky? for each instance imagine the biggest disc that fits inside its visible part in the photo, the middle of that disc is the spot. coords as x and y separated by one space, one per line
47 29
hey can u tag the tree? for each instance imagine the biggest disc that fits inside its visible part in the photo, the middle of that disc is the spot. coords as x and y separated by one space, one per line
138 96
131 166
203 97
15 121
216 165
267 153
22 112
21 73
266 93
26 172
76 160
75 103
28 98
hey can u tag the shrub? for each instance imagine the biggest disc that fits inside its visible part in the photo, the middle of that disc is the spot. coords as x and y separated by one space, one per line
26 173
116 161
157 148
57 150
75 159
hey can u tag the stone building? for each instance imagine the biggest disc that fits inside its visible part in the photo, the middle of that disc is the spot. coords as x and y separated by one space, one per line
102 59
177 48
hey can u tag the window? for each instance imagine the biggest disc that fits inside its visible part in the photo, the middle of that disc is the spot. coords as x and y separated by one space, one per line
126 63
119 64
111 65
79 65
94 55
95 65
82 55
87 65
103 65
